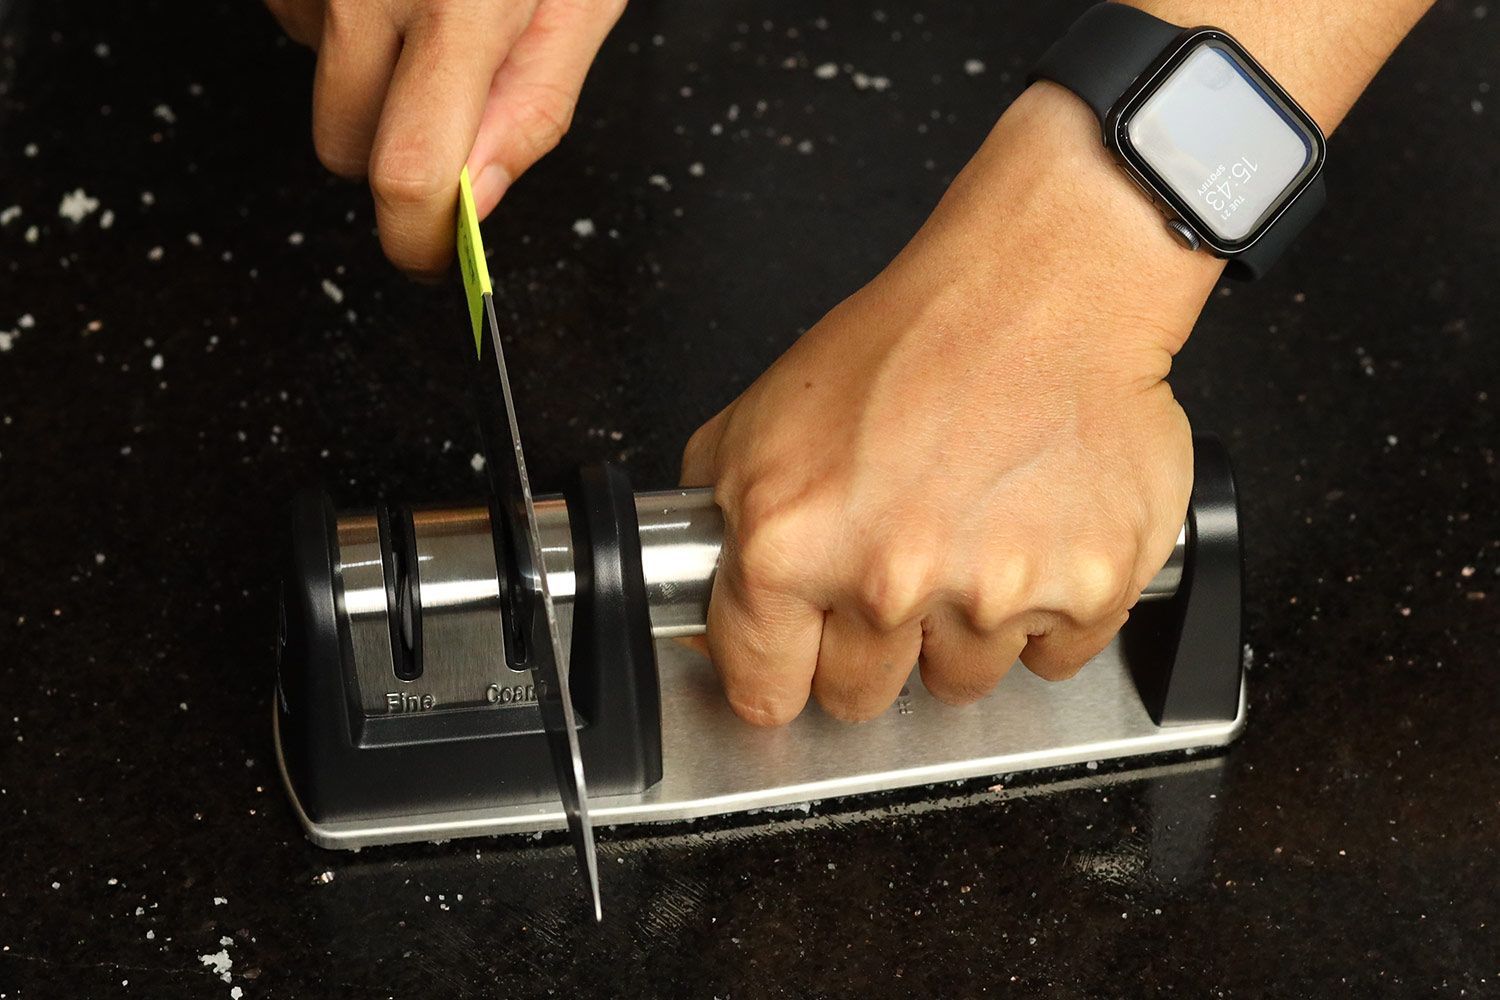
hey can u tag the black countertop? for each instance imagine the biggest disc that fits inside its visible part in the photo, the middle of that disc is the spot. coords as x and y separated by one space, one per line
220 331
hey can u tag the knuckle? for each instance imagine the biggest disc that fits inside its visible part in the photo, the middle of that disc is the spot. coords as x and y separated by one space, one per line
770 538
847 705
895 585
544 119
763 711
1054 668
402 185
1097 582
334 153
1000 594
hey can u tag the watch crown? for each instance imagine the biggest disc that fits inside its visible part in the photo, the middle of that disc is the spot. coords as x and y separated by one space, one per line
1183 233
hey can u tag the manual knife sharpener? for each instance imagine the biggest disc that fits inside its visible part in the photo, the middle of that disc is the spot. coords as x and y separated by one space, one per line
405 712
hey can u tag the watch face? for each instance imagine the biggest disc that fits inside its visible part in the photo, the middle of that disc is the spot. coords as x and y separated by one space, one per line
1219 140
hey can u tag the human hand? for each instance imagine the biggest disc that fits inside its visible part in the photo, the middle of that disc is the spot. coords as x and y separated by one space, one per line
973 458
410 91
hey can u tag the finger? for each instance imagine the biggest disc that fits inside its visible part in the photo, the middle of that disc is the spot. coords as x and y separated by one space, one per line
532 98
355 61
862 668
700 456
448 59
764 645
1063 650
961 664
302 20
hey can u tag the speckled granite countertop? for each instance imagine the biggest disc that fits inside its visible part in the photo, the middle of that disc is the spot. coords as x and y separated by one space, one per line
218 330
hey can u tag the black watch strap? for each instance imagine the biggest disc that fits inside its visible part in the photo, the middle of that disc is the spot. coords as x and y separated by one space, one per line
1133 40
1256 259
1102 54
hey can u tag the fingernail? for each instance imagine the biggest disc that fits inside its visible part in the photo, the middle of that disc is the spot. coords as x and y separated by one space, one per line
489 187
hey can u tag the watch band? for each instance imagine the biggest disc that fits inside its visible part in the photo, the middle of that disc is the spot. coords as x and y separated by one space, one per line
1132 40
1103 53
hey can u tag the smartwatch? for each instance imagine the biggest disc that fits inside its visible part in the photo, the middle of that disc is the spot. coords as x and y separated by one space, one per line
1219 147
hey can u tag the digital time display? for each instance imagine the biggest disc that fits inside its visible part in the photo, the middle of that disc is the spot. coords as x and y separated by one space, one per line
1220 142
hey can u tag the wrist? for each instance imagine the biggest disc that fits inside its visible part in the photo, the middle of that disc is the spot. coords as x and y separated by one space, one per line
1042 218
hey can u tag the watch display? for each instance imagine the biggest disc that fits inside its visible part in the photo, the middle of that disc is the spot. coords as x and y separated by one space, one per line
1220 139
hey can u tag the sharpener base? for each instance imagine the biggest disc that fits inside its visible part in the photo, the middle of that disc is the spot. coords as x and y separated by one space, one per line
713 763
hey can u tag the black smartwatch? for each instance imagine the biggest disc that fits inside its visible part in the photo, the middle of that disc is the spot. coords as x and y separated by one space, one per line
1216 144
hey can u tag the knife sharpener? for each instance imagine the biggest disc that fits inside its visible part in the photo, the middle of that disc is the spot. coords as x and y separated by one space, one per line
404 710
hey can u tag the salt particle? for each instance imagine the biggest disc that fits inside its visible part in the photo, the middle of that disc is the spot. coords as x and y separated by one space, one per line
1477 106
1391 440
696 169
973 67
658 180
826 71
30 150
155 253
219 961
235 993
7 340
324 878
220 900
106 219
150 935
584 227
101 50
99 558
147 198
77 206
9 215
164 113
295 239
157 362
477 462
333 291
805 147
33 234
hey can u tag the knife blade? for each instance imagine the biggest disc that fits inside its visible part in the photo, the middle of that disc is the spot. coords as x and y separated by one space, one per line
533 641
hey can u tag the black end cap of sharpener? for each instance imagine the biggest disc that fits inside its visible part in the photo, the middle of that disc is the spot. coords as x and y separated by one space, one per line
612 659
1185 653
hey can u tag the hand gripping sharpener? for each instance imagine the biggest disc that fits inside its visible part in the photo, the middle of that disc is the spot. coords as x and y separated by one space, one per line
404 710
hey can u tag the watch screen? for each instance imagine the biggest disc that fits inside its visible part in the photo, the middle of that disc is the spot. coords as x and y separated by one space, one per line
1220 141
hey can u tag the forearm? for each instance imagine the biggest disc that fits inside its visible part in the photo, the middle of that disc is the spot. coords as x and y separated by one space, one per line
1043 201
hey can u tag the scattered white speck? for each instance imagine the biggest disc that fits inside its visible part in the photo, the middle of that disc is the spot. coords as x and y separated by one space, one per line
7 340
158 362
220 900
106 219
33 234
1480 11
9 215
477 462
333 291
235 993
1391 440
658 180
147 198
150 935
101 50
164 113
26 322
1467 571
57 885
219 962
99 558
1092 765
295 239
973 67
805 147
1477 106
194 240
696 168
584 227
826 71
324 878
155 254
1405 612
30 150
